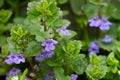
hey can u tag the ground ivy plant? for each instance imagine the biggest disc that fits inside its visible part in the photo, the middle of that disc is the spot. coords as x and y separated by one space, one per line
45 44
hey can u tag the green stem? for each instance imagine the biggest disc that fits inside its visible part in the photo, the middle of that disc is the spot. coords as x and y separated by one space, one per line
67 65
100 11
44 24
100 15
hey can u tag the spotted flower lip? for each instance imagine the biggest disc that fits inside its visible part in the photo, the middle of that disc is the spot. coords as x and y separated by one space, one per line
63 30
105 24
94 47
49 44
15 58
107 39
74 76
94 22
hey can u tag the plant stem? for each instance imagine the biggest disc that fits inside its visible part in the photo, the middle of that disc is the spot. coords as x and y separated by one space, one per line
67 65
100 15
44 24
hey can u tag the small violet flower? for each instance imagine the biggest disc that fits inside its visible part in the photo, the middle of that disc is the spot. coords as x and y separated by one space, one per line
49 76
105 24
44 54
12 72
15 58
63 30
94 22
49 44
74 77
94 47
107 39
40 57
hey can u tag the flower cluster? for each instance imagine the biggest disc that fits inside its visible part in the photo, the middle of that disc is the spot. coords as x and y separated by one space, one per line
15 58
49 44
107 39
103 24
44 54
13 72
63 30
74 77
94 47
48 52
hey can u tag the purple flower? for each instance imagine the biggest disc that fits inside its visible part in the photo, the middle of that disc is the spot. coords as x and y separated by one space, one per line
94 22
74 77
40 57
49 44
50 75
48 54
19 58
15 58
12 72
8 61
44 54
63 30
107 39
105 24
94 47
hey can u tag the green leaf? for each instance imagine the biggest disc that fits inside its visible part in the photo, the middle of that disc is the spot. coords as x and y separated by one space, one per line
31 11
113 10
45 68
59 73
60 22
5 15
76 6
73 47
97 60
72 35
5 50
112 62
79 64
94 59
90 10
96 72
107 46
42 36
24 74
33 49
19 37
